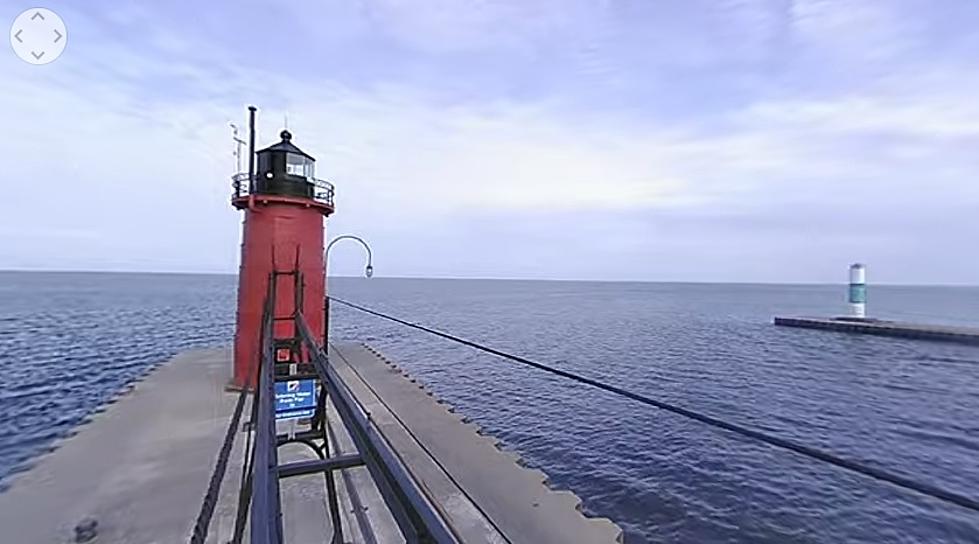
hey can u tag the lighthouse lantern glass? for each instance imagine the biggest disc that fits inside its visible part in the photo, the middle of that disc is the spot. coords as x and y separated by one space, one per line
298 165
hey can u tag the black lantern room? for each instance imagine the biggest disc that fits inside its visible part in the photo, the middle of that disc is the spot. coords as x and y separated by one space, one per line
284 169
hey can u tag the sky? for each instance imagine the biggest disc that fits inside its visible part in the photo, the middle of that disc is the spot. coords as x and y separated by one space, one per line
710 140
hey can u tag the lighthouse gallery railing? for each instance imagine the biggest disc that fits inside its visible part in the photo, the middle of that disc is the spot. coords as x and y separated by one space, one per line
323 190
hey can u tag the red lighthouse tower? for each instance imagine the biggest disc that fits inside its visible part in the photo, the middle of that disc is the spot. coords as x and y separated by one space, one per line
285 206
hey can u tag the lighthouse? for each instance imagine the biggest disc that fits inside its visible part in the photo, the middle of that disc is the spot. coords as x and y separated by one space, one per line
857 293
284 207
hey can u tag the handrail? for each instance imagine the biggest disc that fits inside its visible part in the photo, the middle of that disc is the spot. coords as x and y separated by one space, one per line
411 509
323 191
266 512
239 182
418 519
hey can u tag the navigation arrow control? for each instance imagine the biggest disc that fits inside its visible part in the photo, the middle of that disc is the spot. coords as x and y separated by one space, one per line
31 36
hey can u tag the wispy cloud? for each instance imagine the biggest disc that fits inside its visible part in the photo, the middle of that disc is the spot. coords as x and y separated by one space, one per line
687 132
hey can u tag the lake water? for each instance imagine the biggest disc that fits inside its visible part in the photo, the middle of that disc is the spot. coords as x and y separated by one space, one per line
69 340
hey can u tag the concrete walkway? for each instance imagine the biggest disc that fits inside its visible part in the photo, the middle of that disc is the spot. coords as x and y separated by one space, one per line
484 495
140 468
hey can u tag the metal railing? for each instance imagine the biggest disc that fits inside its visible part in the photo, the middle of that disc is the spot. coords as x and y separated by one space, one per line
417 518
323 190
266 507
239 182
259 501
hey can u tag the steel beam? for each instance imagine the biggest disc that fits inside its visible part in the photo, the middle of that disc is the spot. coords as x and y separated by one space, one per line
301 435
313 466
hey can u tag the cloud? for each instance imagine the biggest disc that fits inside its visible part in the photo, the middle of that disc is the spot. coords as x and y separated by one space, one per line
951 117
640 134
447 26
863 30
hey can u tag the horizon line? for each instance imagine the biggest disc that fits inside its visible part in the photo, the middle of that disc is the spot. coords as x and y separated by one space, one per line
481 278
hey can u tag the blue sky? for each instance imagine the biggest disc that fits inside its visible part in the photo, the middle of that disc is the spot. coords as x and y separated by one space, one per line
580 139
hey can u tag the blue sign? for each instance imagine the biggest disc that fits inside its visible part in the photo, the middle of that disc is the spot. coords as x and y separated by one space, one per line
295 399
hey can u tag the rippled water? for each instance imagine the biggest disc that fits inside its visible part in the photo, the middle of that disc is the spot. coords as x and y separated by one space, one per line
68 340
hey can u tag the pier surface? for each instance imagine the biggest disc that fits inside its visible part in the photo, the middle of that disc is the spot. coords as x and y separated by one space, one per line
481 491
945 333
141 467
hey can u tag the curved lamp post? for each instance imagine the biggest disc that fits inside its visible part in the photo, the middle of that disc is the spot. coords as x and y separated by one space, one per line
368 272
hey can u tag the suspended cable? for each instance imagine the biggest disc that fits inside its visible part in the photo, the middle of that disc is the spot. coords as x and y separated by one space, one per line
827 457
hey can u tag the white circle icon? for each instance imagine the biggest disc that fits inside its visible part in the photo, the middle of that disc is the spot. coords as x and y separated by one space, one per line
38 36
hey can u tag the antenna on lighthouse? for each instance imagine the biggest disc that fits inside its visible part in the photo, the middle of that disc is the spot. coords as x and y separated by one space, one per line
238 143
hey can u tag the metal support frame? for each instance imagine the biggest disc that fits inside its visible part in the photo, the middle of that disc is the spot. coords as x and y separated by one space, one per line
416 516
300 468
261 474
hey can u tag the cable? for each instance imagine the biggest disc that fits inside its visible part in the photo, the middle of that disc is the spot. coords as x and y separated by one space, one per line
827 457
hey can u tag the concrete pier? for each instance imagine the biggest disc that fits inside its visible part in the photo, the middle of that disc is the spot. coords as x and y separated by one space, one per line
141 467
481 491
882 327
